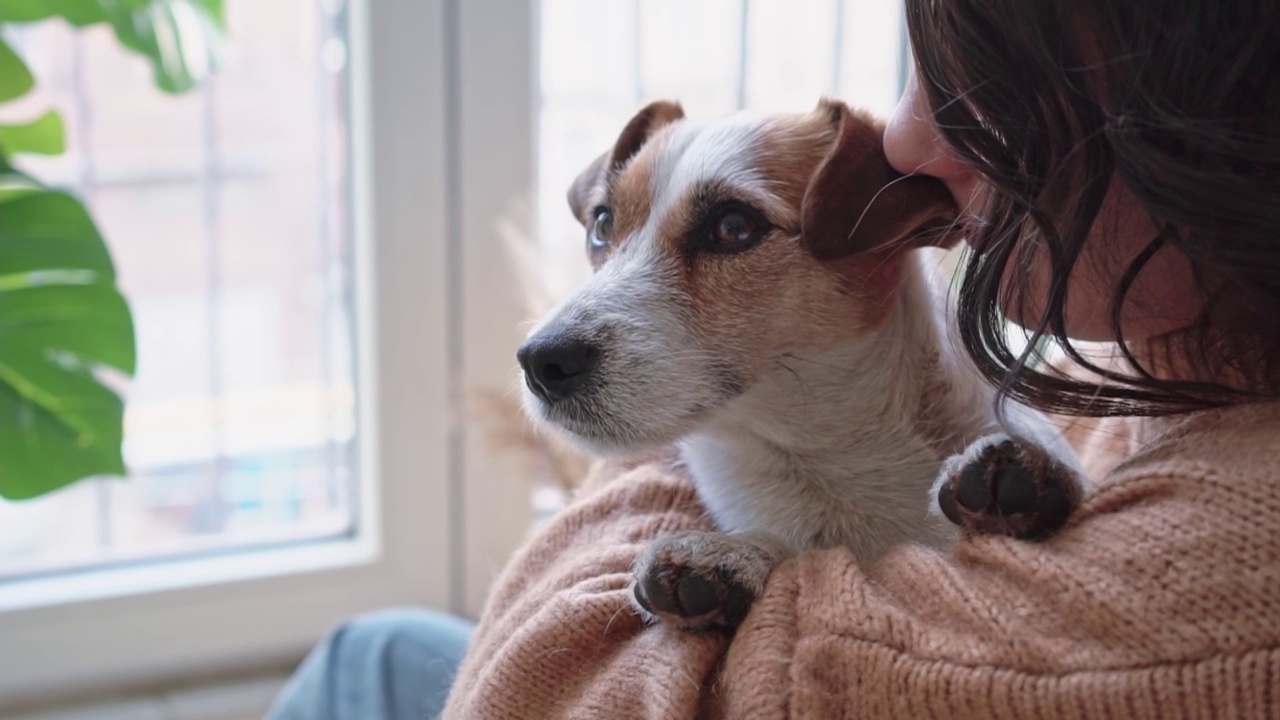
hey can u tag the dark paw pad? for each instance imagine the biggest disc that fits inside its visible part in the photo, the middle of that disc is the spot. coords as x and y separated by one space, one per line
695 598
1010 488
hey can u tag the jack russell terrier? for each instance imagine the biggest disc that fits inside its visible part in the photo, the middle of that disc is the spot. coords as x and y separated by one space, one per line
756 301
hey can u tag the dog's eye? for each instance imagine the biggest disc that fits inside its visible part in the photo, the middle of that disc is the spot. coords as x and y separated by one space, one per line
735 228
601 229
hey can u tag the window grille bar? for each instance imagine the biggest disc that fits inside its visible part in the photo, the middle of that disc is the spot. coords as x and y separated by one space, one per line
83 113
346 294
325 77
215 511
637 44
904 52
454 292
743 49
85 184
837 50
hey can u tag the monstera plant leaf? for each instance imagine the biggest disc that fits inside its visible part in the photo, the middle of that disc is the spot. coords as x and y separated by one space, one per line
15 77
43 136
76 12
66 334
181 39
63 325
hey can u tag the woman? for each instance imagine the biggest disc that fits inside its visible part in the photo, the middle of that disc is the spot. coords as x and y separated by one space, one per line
1120 165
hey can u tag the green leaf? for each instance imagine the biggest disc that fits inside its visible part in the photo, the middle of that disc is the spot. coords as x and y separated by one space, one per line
214 8
181 38
61 322
13 182
41 452
57 422
48 231
86 324
77 12
44 136
15 78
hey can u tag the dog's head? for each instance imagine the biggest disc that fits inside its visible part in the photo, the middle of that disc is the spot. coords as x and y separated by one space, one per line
719 248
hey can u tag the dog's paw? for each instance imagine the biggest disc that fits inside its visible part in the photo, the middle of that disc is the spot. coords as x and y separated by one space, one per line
1005 486
702 580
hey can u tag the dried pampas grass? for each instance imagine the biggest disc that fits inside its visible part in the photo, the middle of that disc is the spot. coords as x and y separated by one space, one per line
497 412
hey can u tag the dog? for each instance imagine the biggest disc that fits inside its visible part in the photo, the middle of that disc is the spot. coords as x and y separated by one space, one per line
758 301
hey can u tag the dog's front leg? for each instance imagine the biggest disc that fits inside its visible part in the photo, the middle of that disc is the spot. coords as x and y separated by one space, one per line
703 580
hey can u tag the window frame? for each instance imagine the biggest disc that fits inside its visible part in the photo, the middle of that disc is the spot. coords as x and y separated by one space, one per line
436 515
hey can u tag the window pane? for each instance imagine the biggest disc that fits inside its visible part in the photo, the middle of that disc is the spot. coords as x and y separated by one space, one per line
226 211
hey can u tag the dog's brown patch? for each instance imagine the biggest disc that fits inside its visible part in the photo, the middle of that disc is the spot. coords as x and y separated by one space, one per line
586 186
790 153
621 176
631 191
641 128
857 202
753 308
630 187
779 297
792 292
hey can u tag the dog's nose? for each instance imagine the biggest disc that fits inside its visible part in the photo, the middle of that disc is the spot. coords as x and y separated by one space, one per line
554 367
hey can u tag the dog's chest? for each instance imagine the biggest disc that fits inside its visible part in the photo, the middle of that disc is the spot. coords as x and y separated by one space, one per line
870 495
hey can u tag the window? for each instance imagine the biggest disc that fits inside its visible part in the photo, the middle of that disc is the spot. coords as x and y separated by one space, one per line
281 235
227 214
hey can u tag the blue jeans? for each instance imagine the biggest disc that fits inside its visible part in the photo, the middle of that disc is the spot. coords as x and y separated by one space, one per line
391 665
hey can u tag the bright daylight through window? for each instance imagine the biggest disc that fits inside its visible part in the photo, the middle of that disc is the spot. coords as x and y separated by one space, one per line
225 210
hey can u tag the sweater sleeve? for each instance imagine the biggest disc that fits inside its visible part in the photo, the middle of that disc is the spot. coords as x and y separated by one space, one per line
558 639
1156 600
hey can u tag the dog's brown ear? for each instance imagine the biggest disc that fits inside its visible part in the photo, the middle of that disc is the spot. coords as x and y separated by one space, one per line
642 127
856 202
633 137
580 190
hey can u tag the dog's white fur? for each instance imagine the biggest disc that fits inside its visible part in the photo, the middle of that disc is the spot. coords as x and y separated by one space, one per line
830 453
824 442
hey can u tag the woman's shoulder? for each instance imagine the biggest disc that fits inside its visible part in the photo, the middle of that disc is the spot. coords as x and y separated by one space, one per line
1215 470
1239 442
1184 535
1241 438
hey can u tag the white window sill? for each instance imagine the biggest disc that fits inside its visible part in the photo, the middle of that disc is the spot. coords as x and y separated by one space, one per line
243 700
184 573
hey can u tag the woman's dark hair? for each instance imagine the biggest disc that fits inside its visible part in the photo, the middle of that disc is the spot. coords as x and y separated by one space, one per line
1049 100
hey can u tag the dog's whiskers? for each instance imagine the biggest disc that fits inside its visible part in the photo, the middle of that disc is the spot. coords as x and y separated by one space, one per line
804 387
819 363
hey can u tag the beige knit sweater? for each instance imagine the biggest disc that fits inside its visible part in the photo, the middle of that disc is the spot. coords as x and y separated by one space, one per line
1160 599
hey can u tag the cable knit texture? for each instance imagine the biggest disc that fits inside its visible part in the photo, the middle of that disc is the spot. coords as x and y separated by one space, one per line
1161 599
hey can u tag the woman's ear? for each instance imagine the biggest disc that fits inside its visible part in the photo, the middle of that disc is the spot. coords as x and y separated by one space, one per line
633 137
856 202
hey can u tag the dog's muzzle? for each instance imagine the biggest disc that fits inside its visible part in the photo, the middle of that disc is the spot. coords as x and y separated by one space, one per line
556 365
